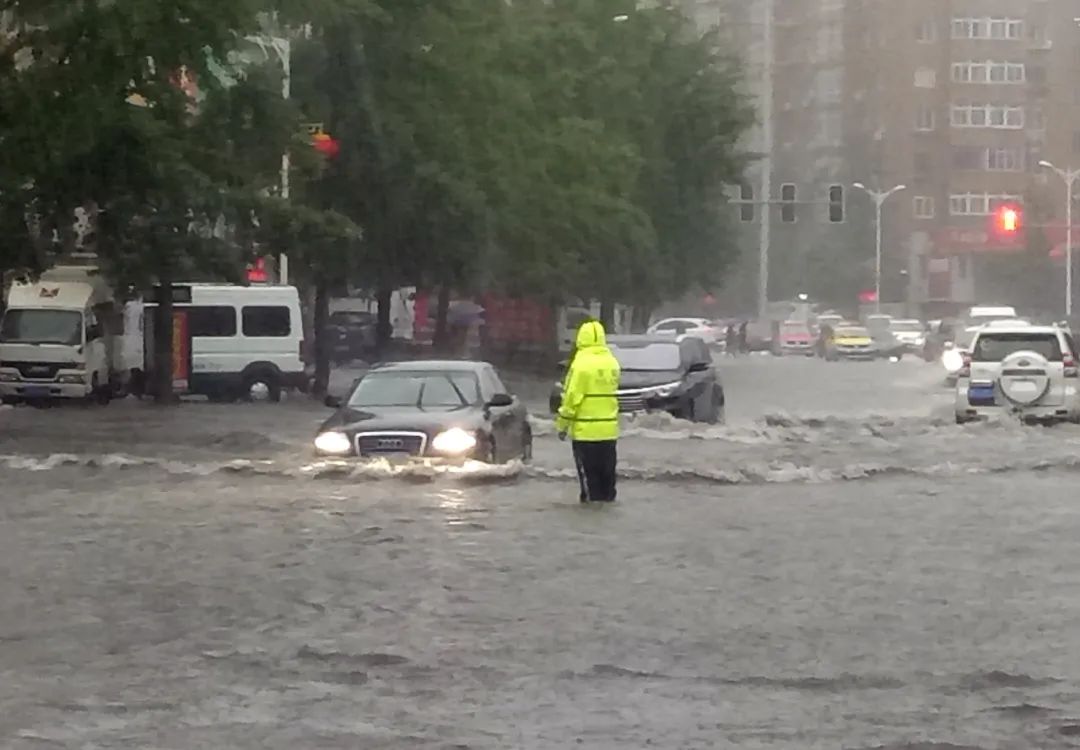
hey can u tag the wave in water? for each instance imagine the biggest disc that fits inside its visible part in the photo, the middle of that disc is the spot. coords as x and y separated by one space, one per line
775 472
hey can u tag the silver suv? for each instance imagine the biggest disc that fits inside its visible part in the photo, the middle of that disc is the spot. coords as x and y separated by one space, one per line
1030 371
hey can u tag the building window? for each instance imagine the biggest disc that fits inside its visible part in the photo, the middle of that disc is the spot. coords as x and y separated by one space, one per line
267 322
988 28
746 202
978 204
924 118
998 116
924 207
925 78
926 31
1004 159
988 72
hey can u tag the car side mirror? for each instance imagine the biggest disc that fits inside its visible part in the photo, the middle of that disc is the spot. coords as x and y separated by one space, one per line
699 367
500 400
332 402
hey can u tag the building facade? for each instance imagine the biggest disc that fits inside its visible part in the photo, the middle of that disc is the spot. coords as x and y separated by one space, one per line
957 100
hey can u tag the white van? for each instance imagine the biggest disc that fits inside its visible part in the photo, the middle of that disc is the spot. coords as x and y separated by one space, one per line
61 338
245 342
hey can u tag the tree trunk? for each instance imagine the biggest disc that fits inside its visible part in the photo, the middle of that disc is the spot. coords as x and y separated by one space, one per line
322 346
163 341
441 340
607 314
384 328
641 318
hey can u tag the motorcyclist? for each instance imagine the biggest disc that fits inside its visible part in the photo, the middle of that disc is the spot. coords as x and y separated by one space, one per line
589 413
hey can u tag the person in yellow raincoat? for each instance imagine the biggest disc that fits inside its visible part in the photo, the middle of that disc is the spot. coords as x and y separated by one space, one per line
589 413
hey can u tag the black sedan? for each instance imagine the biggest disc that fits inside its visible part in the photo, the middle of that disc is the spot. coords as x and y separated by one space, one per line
435 409
662 374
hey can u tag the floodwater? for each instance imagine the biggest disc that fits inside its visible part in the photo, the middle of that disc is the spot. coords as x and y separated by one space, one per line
838 567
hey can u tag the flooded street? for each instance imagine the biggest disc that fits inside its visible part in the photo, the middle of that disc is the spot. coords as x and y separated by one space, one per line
840 566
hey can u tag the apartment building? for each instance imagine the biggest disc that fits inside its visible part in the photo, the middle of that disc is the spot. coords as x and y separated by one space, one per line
957 100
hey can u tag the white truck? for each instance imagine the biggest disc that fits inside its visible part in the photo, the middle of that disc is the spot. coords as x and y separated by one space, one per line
62 337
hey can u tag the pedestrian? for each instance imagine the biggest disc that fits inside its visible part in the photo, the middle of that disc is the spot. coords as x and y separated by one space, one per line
744 337
732 340
589 413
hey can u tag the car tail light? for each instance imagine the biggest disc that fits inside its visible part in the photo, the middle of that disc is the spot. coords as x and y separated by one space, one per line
1071 370
965 371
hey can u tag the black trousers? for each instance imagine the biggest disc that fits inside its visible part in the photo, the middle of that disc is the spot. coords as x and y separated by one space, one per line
596 463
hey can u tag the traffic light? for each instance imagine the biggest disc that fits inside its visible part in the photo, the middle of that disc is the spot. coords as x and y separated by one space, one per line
836 204
1007 224
787 201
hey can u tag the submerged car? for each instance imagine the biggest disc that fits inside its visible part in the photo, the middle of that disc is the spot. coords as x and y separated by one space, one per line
796 338
433 409
1030 371
849 342
660 374
683 328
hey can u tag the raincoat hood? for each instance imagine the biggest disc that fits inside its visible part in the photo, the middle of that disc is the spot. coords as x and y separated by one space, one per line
591 334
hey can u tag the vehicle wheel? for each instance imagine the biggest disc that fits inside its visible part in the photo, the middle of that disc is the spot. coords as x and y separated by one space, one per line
961 419
712 413
492 454
262 386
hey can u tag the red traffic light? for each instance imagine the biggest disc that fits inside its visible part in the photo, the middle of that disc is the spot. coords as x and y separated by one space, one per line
1008 219
325 145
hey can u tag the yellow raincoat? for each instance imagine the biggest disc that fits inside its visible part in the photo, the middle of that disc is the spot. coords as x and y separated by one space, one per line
590 408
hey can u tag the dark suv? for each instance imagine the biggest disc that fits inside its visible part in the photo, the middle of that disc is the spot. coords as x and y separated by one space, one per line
660 374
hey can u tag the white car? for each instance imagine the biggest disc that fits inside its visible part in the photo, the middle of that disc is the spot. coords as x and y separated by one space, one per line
910 333
682 328
1030 371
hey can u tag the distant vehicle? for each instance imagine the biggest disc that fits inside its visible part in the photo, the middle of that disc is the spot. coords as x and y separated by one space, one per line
760 335
910 333
351 335
796 338
434 409
849 342
1027 370
246 342
62 337
682 328
952 359
659 374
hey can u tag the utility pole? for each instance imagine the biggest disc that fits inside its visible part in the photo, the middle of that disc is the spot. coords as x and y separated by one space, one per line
767 138
879 197
1070 176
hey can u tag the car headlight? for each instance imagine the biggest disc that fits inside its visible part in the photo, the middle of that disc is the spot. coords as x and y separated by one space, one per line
333 444
8 377
953 361
454 441
667 391
75 379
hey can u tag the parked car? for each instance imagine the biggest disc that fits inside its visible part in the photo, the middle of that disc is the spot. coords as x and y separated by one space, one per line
1027 370
660 374
352 335
687 327
434 409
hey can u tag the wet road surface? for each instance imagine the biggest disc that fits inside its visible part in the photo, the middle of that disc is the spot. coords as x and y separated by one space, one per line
838 567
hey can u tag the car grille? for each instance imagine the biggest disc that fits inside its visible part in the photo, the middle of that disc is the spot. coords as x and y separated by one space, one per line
374 444
632 402
37 370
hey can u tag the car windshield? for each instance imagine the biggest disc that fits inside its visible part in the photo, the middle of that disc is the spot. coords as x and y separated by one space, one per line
795 328
994 347
419 389
647 358
852 333
42 327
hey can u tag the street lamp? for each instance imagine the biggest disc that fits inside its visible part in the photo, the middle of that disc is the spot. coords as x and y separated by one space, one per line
282 49
1069 176
879 199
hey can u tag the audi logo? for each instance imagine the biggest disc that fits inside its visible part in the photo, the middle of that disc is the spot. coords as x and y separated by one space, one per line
390 443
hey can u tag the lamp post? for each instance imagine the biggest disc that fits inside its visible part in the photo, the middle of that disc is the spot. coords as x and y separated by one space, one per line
1069 176
282 49
879 199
